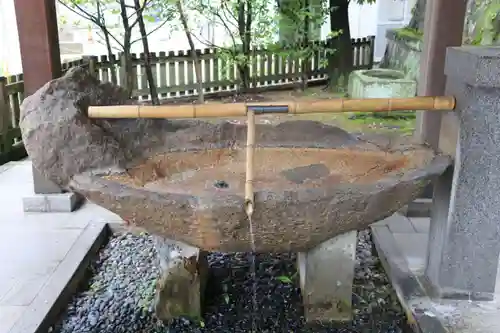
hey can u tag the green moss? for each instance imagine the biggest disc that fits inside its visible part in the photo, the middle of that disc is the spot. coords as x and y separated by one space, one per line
408 33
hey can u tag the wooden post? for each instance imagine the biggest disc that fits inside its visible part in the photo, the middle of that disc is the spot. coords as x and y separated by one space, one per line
5 120
41 58
92 65
372 51
437 38
123 71
38 41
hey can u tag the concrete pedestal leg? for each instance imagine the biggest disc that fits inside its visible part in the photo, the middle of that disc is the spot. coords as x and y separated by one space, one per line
180 288
464 240
49 198
326 278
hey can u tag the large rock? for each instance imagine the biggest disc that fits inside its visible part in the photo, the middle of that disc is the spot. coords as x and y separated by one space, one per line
180 288
138 169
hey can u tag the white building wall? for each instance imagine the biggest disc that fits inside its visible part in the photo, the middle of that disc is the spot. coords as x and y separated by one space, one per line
10 56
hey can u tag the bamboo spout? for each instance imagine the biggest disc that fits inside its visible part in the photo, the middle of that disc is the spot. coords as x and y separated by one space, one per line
249 194
221 110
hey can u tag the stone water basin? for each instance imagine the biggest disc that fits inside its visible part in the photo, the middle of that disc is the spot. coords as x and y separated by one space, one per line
303 195
183 179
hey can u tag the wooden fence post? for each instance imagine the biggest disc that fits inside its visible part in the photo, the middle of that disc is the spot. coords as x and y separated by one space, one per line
5 120
122 71
91 62
372 50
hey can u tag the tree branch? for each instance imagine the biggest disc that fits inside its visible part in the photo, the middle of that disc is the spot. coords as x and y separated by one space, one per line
152 31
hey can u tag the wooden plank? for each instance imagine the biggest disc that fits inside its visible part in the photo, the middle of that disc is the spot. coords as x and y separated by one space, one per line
190 72
15 104
207 69
269 69
216 70
142 82
181 73
162 68
171 77
154 69
5 117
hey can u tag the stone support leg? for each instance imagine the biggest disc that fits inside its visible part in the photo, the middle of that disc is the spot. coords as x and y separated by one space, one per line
181 286
49 198
326 279
464 239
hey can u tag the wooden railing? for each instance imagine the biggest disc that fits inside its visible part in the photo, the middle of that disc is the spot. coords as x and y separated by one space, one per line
11 96
175 77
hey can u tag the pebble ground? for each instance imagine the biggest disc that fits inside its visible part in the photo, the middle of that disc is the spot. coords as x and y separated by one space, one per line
118 296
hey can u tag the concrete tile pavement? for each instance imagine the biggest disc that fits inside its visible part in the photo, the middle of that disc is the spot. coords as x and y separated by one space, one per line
33 247
401 243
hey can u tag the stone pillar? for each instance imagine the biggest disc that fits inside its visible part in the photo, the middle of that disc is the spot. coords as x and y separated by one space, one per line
326 279
182 281
443 27
464 240
39 44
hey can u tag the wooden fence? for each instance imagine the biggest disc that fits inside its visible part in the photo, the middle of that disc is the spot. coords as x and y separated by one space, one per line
175 77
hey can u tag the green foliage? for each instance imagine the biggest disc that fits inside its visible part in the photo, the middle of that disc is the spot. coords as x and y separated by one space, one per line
409 33
260 19
485 18
284 279
243 21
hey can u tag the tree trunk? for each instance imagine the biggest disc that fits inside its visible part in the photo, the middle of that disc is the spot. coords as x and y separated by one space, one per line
110 55
340 61
127 44
147 58
101 19
305 46
194 55
244 21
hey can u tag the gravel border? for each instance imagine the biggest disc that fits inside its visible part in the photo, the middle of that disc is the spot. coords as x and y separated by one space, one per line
119 293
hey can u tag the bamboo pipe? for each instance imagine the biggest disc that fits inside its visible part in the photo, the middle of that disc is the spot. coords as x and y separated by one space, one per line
221 110
249 195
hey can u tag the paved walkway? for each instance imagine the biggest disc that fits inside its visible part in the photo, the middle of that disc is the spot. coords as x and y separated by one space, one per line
39 253
402 246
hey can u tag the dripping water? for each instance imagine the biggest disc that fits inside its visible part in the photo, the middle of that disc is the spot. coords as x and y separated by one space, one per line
253 268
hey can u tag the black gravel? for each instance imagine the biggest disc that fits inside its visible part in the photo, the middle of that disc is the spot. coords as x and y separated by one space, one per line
118 297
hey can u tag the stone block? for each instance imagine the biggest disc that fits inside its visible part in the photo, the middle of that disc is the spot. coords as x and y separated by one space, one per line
326 279
404 52
464 236
379 83
421 224
399 223
180 288
420 208
51 203
475 66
